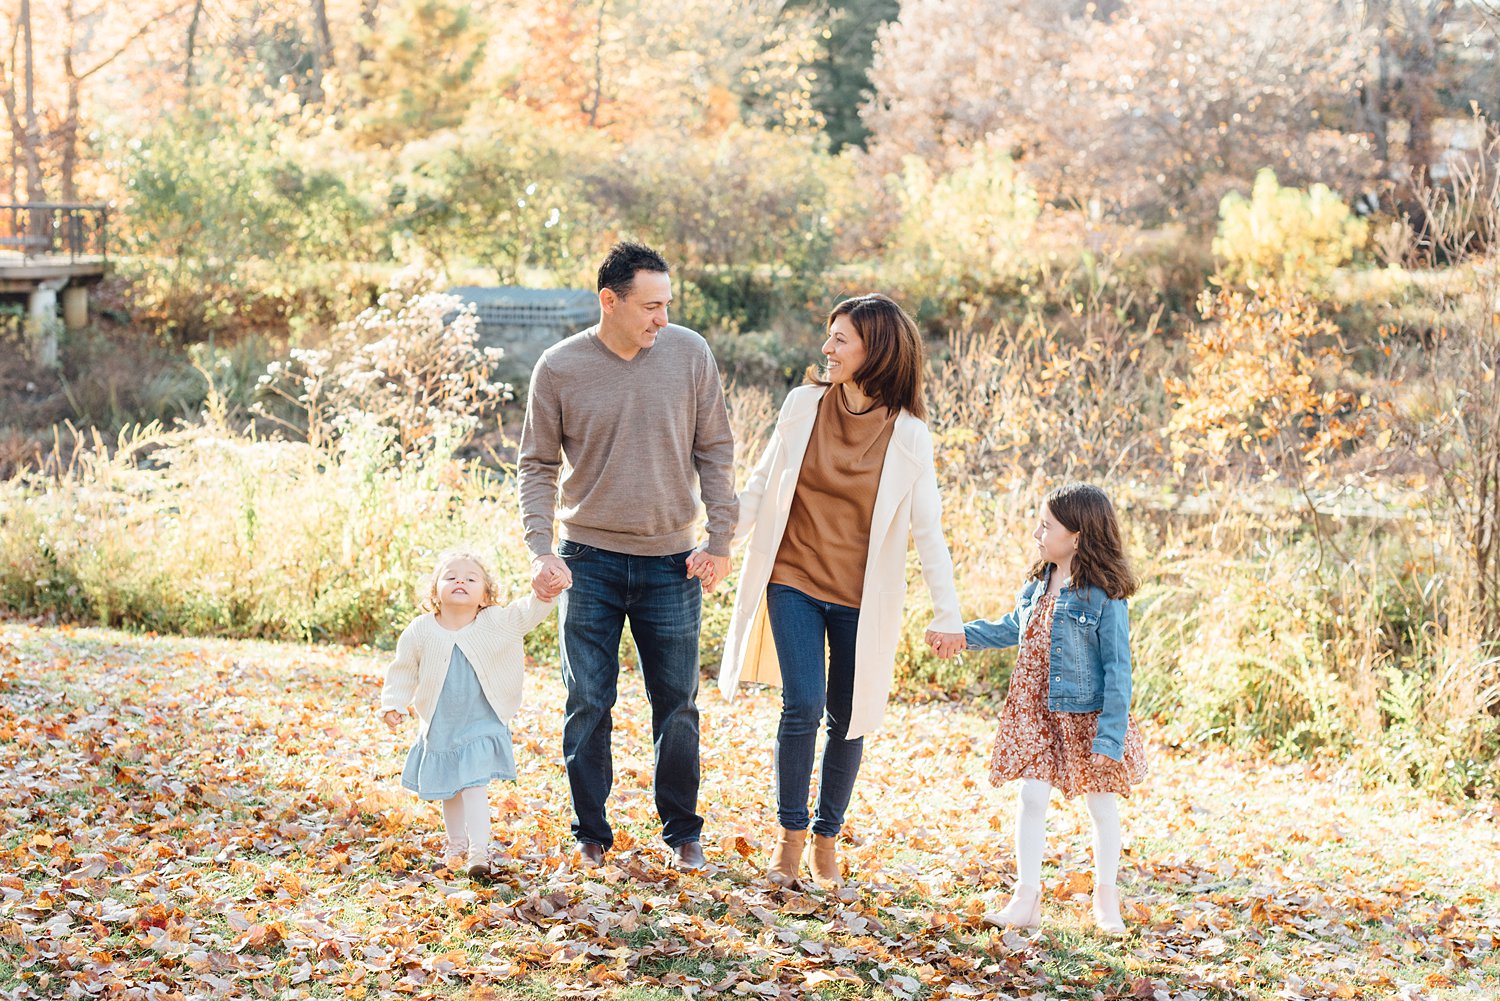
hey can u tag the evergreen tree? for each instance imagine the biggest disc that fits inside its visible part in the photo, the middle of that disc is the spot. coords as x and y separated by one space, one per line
846 48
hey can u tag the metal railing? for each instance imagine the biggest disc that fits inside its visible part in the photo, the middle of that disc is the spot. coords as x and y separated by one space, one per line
54 229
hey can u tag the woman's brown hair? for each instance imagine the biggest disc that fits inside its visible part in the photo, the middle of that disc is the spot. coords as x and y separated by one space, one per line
894 354
1100 560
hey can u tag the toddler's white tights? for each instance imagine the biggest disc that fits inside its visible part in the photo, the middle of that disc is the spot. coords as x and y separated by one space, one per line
1031 833
466 818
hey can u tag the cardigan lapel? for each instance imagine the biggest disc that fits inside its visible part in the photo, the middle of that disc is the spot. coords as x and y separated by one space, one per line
897 475
796 430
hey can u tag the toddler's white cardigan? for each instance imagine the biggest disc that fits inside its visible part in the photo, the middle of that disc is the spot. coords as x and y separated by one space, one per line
492 642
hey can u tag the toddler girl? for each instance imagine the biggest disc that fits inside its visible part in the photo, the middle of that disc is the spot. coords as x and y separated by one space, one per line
460 668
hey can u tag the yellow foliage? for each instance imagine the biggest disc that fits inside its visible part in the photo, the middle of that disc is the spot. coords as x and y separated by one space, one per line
1286 234
1262 380
971 227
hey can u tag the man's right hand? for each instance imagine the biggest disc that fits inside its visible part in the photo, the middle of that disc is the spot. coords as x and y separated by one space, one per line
550 576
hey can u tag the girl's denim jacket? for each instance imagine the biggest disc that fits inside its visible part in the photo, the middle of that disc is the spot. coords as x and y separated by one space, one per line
1090 655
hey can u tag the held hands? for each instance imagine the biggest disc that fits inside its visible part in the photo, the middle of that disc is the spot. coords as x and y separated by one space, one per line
946 645
393 719
550 576
709 569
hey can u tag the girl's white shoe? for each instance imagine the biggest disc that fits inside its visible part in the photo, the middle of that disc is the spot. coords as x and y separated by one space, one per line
1023 911
1107 910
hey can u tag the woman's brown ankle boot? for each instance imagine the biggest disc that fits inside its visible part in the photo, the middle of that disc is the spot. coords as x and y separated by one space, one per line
786 858
825 861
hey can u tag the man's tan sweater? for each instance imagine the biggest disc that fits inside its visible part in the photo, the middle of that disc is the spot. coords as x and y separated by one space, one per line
635 435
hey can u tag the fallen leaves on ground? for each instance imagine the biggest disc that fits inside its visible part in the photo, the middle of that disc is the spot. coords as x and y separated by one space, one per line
192 818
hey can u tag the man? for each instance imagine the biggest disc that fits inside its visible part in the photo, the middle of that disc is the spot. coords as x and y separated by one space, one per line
635 406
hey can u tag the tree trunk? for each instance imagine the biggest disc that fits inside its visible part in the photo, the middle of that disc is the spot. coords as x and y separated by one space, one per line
367 18
1423 24
32 142
597 97
1374 96
68 132
13 118
323 55
192 51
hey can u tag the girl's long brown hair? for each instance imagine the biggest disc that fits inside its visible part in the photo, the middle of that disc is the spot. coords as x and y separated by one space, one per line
1100 560
894 354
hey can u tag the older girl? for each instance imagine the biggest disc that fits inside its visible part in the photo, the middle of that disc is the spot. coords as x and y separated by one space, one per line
1066 719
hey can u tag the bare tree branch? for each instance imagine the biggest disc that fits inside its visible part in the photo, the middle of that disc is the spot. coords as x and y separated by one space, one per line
139 33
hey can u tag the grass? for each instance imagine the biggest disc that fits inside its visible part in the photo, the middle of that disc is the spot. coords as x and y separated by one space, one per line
1244 878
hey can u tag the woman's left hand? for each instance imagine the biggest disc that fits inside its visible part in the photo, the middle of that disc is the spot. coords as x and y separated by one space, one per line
1103 760
946 645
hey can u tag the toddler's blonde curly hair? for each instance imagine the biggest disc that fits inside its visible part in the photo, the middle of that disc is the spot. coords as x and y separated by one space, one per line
491 594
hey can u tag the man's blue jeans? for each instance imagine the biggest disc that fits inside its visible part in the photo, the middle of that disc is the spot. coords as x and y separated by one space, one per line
799 625
663 605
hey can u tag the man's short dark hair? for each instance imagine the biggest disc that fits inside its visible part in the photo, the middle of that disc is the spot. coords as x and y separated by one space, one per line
624 259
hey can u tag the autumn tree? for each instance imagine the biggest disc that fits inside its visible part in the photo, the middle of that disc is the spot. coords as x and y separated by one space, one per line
19 94
1148 107
420 76
949 73
1427 59
60 57
706 64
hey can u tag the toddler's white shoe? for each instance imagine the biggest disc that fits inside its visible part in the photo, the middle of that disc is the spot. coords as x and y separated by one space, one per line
479 862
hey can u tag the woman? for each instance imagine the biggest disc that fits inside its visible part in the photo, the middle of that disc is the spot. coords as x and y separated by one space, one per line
846 478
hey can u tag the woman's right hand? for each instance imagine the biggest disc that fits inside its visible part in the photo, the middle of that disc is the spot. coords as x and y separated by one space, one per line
392 719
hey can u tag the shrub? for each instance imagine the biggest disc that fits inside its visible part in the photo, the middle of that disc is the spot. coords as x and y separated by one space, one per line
965 233
747 215
500 196
228 226
411 364
1061 399
1265 382
1285 234
1447 409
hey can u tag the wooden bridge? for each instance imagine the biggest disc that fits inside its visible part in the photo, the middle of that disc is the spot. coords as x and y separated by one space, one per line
50 250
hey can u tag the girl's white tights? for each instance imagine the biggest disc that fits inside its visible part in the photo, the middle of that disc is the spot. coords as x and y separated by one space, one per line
466 819
1031 833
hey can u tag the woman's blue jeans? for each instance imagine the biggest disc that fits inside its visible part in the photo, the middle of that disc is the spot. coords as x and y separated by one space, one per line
800 625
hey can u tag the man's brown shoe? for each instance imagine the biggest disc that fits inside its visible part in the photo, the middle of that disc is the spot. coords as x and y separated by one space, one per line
590 854
688 856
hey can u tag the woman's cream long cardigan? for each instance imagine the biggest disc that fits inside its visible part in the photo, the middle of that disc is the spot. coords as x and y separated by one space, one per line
906 504
492 642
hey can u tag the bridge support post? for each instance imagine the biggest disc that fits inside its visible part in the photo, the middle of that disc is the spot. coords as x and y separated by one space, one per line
41 321
75 303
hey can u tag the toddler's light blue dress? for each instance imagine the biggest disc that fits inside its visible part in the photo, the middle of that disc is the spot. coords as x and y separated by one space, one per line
466 745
